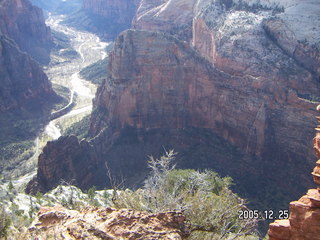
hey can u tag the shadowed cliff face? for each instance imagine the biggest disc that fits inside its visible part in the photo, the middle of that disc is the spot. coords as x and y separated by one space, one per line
158 82
24 23
118 10
161 94
71 161
113 16
303 222
22 80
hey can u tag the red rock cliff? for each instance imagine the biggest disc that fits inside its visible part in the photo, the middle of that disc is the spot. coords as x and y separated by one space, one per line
240 112
304 219
22 80
69 160
157 82
24 23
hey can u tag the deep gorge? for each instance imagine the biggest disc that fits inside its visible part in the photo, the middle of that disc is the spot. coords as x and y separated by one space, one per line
232 87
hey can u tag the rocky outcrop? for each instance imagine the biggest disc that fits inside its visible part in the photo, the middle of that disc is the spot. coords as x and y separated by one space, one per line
24 23
303 222
23 82
172 87
174 17
107 223
160 93
116 15
70 161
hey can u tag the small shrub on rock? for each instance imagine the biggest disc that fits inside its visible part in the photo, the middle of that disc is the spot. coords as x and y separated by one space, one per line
205 199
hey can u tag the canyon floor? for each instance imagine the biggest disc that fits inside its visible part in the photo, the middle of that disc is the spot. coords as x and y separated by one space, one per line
63 71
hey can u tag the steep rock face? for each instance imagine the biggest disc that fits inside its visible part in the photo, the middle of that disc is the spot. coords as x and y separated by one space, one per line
173 73
161 94
108 223
171 16
116 14
22 80
157 82
240 113
303 222
68 160
24 23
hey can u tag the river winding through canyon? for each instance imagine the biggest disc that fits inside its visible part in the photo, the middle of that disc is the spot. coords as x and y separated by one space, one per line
65 73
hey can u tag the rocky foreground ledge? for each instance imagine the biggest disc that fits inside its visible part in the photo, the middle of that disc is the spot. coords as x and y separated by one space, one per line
106 223
304 219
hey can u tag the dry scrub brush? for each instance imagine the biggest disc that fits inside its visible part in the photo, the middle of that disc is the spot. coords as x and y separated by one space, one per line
205 199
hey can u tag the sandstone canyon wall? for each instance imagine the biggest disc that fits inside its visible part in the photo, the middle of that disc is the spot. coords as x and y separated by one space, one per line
22 79
230 98
24 23
171 87
112 16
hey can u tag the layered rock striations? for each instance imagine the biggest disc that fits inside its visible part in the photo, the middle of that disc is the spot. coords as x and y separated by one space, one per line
116 15
303 222
107 223
24 23
157 82
161 94
22 80
235 101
